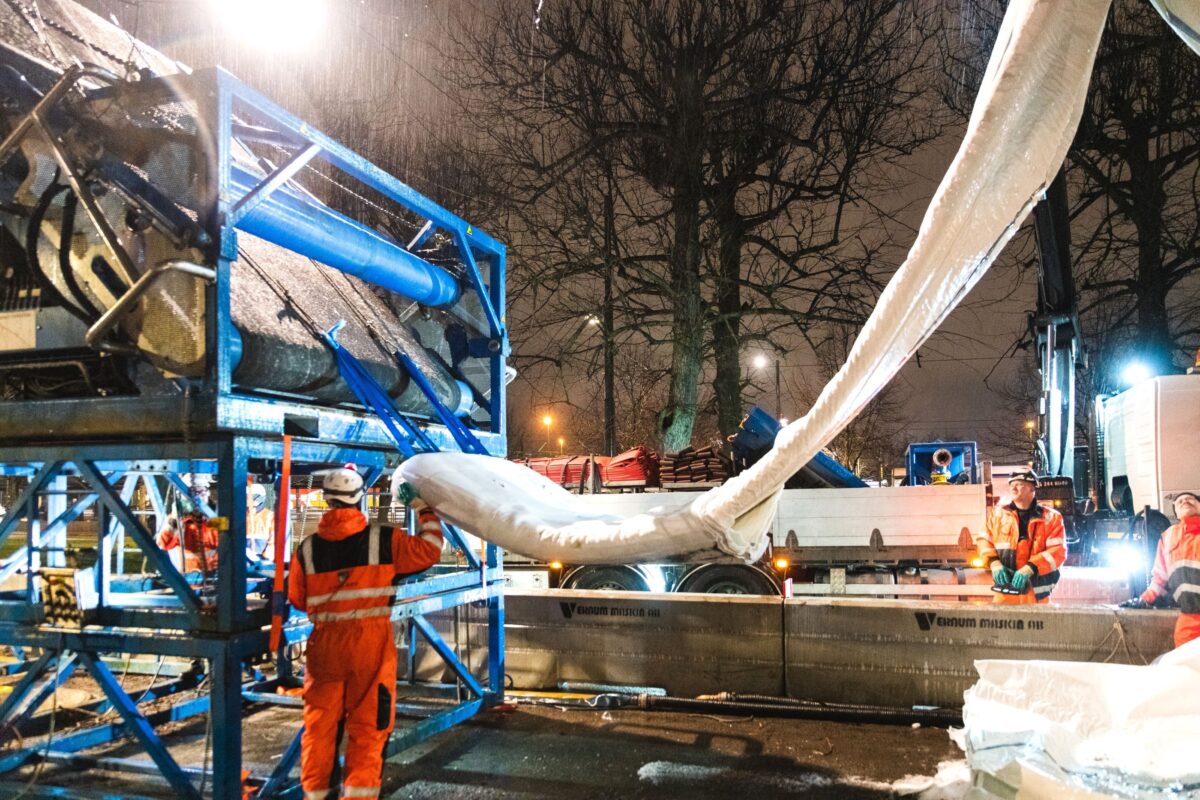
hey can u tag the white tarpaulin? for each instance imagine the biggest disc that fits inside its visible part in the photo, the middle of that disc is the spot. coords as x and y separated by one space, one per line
1184 17
1025 116
1057 729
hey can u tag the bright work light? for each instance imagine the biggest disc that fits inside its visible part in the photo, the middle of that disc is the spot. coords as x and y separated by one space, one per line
1135 372
273 25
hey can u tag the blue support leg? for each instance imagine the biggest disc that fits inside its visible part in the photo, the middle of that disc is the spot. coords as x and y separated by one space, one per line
10 706
279 776
495 611
448 656
226 671
411 632
231 551
140 727
35 695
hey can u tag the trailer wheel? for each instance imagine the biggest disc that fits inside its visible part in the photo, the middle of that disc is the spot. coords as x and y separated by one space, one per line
606 579
728 579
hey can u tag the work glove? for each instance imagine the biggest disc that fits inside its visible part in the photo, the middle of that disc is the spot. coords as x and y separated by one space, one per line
1020 578
1134 602
409 496
1001 574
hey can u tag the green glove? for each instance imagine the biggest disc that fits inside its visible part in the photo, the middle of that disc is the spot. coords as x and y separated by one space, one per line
1001 574
407 493
1020 578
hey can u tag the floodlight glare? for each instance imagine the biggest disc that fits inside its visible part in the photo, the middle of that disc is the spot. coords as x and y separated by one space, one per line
1127 557
760 361
1135 372
274 25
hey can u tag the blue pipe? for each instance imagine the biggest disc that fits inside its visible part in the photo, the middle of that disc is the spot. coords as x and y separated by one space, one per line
312 229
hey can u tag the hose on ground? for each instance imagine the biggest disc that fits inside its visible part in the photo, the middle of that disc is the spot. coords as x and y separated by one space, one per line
786 707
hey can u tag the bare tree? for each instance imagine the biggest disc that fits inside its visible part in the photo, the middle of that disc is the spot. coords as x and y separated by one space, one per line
1136 161
1133 173
709 126
874 442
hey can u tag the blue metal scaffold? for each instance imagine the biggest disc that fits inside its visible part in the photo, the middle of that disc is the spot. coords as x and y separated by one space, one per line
99 470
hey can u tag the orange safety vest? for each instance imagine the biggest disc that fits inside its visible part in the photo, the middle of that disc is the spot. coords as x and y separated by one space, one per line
348 569
1177 566
1044 547
200 541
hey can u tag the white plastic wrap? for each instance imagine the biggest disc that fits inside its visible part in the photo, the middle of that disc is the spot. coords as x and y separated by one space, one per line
1024 119
1055 729
1184 17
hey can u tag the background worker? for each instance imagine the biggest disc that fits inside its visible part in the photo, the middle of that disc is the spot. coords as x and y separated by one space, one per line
189 528
1024 544
260 522
344 577
1176 573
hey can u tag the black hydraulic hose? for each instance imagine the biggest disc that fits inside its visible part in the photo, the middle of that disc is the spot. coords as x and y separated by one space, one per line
66 233
803 710
32 234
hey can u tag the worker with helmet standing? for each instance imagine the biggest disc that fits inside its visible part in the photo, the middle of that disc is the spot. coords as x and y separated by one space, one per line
344 577
1176 571
260 521
1024 544
189 529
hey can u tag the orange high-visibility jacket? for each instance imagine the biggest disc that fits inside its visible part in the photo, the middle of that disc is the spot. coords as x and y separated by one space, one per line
1045 548
199 542
1177 566
347 570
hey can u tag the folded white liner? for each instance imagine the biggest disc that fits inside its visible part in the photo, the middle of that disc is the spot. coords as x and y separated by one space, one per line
1024 118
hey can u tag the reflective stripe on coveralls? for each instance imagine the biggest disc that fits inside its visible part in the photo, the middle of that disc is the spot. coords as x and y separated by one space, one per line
1176 573
344 579
1044 548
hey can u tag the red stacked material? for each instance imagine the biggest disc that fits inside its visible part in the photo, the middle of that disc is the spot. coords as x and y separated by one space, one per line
636 467
705 465
567 471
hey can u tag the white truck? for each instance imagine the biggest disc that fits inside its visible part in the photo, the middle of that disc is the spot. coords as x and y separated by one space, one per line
1148 443
815 532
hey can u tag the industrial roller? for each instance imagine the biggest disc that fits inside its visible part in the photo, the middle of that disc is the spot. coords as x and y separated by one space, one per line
126 186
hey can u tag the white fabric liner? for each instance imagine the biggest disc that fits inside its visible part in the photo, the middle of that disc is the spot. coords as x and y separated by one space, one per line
1057 729
1184 17
1024 118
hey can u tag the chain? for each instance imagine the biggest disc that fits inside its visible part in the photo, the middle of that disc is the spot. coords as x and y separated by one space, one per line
32 12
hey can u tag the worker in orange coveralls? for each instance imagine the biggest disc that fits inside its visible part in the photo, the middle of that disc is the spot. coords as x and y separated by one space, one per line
344 577
1177 569
1024 544
193 531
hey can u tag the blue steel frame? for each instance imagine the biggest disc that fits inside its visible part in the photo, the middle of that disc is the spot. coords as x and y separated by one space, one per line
233 435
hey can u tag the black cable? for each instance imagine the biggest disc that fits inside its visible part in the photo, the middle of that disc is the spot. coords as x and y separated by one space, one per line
804 710
32 234
66 233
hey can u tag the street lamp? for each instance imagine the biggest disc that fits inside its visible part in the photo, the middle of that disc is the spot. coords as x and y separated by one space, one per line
1029 426
546 420
561 441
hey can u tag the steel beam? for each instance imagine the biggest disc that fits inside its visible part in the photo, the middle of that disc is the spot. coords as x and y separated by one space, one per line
140 727
157 558
439 645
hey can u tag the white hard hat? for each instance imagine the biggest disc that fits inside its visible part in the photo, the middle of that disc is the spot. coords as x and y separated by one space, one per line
198 483
344 485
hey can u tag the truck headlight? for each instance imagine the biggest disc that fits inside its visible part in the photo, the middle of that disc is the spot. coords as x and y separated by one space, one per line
1126 557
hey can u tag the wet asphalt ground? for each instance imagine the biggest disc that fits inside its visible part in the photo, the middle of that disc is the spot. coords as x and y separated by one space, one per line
533 752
